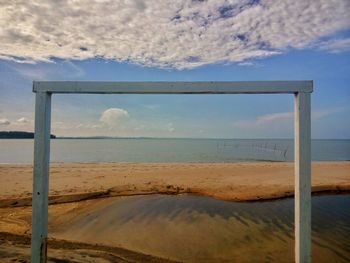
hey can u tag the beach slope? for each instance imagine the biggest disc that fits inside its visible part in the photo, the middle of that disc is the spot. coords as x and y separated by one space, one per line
249 181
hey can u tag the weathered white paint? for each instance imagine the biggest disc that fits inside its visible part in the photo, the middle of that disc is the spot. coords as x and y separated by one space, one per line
301 89
41 176
199 87
302 206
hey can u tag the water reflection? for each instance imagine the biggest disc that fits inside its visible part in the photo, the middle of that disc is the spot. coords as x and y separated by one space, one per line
201 229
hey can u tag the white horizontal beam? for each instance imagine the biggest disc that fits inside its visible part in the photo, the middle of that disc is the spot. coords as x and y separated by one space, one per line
198 87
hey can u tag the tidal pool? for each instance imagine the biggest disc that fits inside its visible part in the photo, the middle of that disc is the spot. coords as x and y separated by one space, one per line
202 229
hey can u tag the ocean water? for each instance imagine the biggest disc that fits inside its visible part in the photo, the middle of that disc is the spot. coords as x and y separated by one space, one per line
171 150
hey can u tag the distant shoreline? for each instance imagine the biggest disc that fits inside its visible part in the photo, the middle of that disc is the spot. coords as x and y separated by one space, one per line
19 135
30 135
184 138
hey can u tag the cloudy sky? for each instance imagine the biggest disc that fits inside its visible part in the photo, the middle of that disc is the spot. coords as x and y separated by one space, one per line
172 41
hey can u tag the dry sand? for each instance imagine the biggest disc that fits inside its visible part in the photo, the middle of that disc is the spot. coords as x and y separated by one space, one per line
227 181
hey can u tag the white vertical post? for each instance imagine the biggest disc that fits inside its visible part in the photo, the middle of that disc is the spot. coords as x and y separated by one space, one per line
302 169
41 176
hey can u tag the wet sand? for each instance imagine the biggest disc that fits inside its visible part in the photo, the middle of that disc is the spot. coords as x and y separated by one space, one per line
15 234
70 182
16 248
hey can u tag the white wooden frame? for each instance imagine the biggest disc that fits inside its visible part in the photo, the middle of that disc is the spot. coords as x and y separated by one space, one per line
302 142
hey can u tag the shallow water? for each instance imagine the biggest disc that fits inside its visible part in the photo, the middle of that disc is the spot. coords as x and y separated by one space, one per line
201 229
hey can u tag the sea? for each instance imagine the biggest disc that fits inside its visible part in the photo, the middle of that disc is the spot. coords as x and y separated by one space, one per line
171 150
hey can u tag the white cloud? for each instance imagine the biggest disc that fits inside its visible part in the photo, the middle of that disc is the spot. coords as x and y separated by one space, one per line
96 126
18 124
264 119
326 112
66 69
280 117
246 63
170 127
18 60
274 117
4 122
166 33
152 106
336 45
113 116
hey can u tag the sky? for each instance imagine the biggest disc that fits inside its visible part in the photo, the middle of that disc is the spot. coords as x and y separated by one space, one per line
161 40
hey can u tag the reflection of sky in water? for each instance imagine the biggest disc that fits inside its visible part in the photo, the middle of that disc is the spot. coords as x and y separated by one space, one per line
201 229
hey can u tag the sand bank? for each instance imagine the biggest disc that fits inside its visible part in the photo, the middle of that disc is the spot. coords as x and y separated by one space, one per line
16 248
70 182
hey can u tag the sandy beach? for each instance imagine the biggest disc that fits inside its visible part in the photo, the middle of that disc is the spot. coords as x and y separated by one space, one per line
226 181
78 189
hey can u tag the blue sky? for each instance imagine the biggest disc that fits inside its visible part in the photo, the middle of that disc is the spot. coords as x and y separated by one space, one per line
266 42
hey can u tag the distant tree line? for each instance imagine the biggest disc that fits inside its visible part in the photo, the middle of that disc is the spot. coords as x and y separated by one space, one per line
19 135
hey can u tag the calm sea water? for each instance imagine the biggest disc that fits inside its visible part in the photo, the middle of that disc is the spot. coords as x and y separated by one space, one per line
170 150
